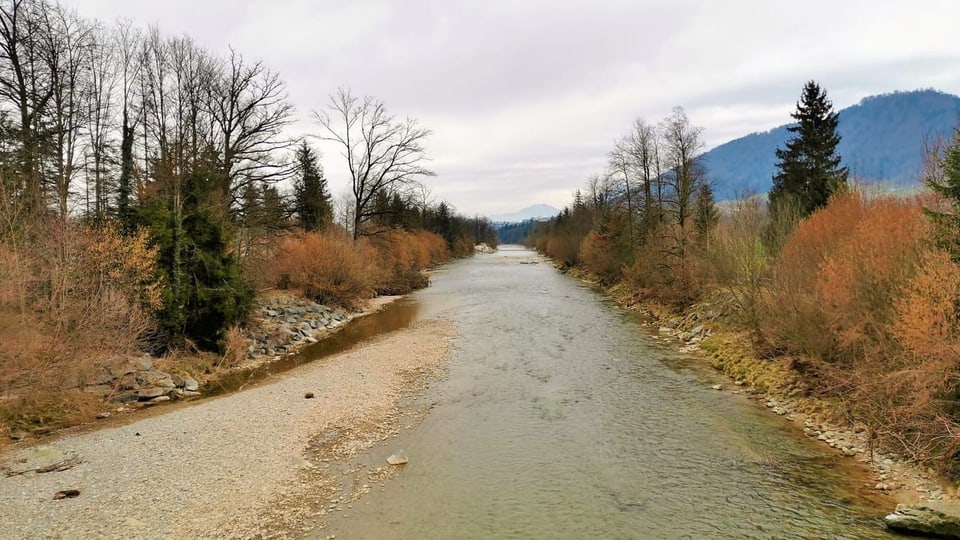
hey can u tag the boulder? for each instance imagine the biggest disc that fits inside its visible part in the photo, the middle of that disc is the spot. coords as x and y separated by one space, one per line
177 380
143 363
930 519
155 378
99 390
150 393
190 384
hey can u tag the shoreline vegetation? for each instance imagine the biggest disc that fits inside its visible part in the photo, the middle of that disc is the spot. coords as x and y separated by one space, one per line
357 278
837 304
704 331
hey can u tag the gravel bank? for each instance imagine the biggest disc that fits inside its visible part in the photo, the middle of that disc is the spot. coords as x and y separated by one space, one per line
225 468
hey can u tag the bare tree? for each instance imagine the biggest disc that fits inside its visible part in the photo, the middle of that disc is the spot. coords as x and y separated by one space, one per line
25 84
67 51
130 59
621 164
102 72
249 106
383 154
644 149
682 144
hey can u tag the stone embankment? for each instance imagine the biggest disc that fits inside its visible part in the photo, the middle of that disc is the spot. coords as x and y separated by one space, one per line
283 324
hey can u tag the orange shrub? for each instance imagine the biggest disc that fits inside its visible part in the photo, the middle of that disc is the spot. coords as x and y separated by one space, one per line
659 272
860 279
596 255
834 283
908 392
329 266
402 256
792 313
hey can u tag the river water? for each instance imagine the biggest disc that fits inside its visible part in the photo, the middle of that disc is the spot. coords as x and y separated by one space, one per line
561 418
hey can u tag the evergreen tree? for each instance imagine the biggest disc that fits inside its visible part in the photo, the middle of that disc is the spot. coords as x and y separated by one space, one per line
126 213
809 170
204 292
313 201
945 181
705 214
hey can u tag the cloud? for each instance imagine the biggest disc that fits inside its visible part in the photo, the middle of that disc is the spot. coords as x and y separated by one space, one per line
526 98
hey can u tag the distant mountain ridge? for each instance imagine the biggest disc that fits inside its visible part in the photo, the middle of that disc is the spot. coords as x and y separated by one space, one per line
536 211
882 140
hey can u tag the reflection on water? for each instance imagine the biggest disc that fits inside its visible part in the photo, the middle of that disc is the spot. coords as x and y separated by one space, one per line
394 316
560 420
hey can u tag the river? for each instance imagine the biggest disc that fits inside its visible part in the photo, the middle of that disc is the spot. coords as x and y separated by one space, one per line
562 418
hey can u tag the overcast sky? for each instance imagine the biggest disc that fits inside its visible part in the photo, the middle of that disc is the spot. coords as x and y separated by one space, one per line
525 98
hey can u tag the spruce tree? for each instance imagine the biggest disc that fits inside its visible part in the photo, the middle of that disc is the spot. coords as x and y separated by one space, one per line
945 181
313 202
809 170
204 292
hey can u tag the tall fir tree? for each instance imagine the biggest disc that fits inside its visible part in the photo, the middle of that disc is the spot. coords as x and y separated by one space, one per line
809 170
312 197
204 292
945 181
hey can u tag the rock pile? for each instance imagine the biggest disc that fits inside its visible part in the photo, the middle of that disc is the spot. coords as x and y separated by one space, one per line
123 379
282 325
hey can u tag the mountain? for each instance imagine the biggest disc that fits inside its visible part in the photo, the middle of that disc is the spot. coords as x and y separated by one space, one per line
536 211
882 140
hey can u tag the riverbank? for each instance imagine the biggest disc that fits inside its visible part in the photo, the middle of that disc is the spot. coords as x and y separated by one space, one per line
281 325
250 464
705 331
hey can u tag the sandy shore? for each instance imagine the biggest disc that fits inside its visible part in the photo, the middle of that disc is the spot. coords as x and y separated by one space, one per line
250 464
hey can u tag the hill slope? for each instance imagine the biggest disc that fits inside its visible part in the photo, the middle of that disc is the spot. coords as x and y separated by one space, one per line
882 140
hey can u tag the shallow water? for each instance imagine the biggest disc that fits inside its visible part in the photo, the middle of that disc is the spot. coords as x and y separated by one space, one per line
561 419
394 316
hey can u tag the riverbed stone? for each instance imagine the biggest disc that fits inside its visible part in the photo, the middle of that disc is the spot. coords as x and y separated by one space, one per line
397 459
190 384
930 519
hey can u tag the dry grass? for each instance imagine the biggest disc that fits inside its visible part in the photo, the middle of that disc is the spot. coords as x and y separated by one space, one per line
45 410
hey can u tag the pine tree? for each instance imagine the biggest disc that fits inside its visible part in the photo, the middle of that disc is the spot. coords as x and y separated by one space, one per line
809 170
313 202
945 181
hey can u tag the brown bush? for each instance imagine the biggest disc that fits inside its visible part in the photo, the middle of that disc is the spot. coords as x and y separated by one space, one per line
737 260
793 311
71 296
862 276
402 257
329 266
663 272
597 256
